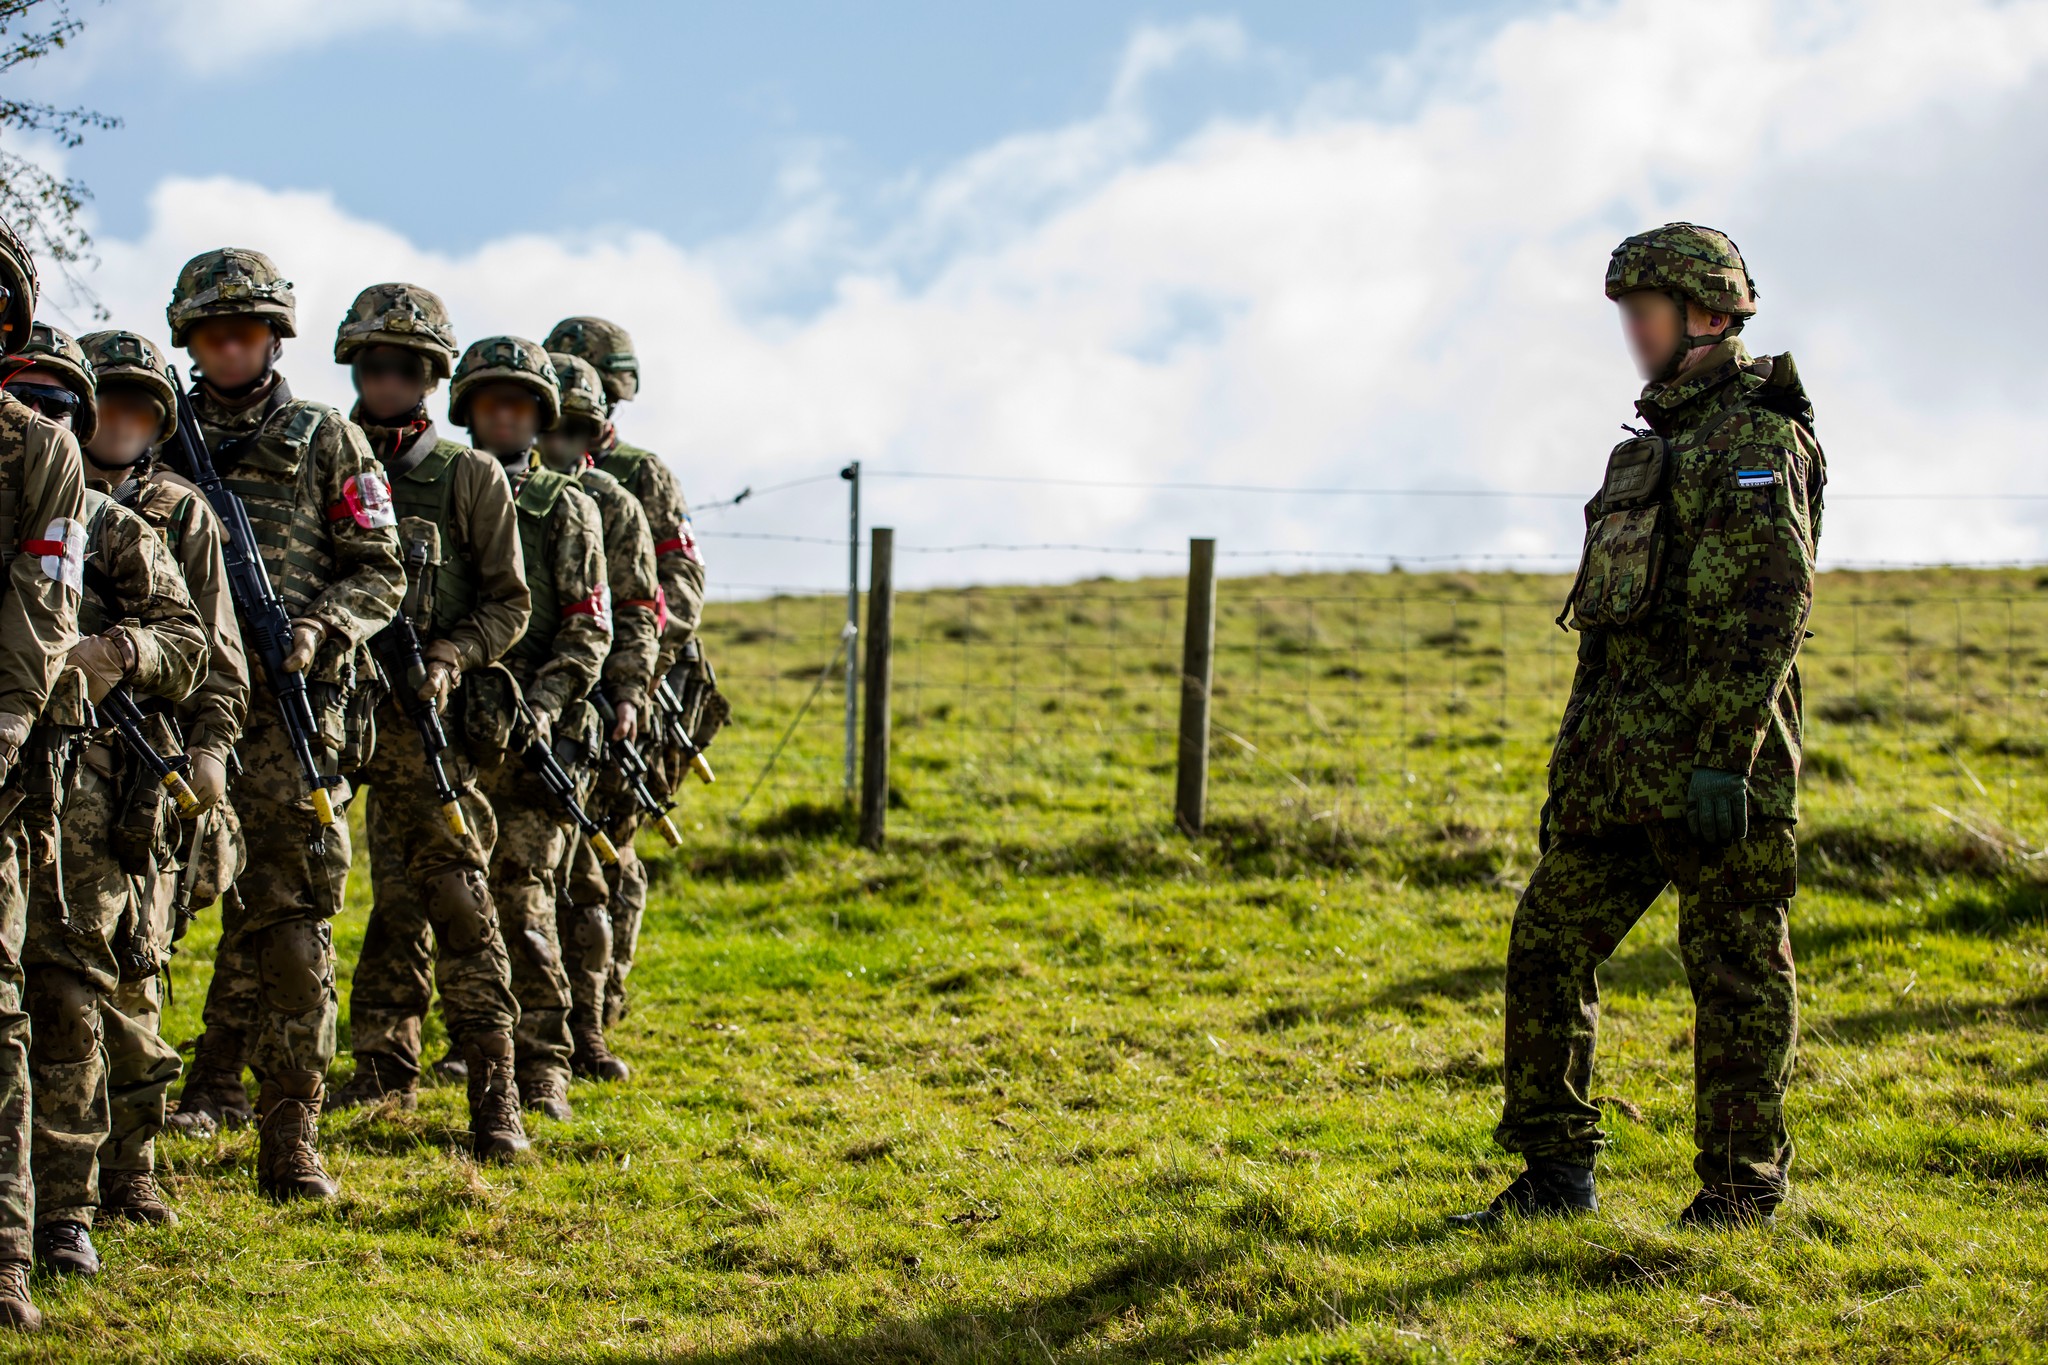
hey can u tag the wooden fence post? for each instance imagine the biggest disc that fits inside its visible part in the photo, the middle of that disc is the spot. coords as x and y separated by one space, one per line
1191 790
874 766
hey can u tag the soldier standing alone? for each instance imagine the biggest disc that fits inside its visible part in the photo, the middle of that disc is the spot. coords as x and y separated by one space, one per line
1678 756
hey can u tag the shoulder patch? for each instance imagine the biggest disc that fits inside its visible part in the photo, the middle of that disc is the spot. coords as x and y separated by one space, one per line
305 420
1757 478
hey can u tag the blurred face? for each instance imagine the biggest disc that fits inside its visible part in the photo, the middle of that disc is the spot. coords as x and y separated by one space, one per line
504 417
130 422
46 391
1652 324
232 352
565 446
391 381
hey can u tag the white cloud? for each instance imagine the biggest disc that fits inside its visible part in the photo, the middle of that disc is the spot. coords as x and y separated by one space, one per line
1393 284
211 36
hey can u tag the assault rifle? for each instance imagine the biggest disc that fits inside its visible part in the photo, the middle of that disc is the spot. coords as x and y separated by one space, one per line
681 705
632 768
118 709
539 756
266 625
398 649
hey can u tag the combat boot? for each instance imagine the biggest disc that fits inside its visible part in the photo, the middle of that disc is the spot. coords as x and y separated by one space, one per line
381 1078
1548 1189
288 1142
66 1249
451 1067
136 1197
592 1059
15 1309
1713 1209
496 1134
547 1093
213 1097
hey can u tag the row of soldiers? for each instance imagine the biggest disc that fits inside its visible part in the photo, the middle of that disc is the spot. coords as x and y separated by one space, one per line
494 639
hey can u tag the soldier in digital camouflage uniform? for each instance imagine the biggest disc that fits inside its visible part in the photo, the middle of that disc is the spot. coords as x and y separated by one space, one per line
506 393
321 512
432 907
609 350
137 412
139 629
42 545
1677 760
638 618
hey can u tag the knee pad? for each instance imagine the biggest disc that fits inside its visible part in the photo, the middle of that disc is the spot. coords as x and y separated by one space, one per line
64 1015
459 906
295 965
587 933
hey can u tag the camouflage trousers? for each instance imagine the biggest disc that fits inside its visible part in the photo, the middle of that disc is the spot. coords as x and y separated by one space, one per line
1734 905
599 922
272 997
17 1190
532 846
82 907
141 1066
432 910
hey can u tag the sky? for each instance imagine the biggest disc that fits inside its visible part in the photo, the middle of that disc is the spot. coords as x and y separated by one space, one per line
1308 246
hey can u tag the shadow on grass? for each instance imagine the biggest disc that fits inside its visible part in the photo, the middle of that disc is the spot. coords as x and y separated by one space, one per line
1935 1016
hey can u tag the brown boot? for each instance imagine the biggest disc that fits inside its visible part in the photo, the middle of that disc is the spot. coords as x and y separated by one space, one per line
136 1197
15 1309
381 1078
592 1059
547 1092
288 1142
213 1097
496 1134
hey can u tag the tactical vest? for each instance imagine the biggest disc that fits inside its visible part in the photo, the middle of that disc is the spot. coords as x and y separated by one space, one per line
160 504
539 491
96 606
623 463
291 531
427 491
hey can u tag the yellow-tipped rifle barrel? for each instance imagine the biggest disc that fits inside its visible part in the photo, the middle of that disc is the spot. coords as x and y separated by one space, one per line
671 833
456 824
182 794
606 852
323 805
701 766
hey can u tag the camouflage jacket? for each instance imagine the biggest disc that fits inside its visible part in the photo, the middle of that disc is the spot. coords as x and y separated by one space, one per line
132 583
319 503
42 486
630 573
211 717
677 557
558 659
1693 595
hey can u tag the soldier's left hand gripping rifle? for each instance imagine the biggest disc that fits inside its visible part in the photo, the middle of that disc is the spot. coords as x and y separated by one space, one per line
632 768
266 625
119 709
538 753
397 648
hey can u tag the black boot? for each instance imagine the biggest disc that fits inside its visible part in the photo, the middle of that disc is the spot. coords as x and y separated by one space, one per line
1548 1189
1730 1207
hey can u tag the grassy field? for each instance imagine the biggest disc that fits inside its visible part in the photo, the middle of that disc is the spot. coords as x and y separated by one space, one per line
1044 1081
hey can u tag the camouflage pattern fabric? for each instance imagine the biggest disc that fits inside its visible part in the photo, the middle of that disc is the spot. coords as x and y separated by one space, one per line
678 560
628 671
1688 260
17 1189
1734 906
427 881
532 842
141 1066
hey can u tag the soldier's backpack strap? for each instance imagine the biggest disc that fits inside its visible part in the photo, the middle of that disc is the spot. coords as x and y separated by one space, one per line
542 489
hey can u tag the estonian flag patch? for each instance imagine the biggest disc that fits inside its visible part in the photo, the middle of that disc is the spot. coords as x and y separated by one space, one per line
1756 478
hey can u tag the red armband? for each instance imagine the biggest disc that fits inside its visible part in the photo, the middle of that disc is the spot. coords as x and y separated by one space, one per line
598 604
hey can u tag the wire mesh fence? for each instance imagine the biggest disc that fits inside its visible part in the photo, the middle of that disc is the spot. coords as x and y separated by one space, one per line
1393 698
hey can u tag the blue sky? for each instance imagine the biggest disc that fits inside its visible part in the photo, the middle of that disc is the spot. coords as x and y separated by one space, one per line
1312 245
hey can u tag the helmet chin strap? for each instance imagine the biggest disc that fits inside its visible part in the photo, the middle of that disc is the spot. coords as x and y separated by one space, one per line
1687 342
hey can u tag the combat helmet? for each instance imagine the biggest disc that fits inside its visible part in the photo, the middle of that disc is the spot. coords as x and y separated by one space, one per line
125 357
510 358
608 349
53 350
18 278
1689 262
402 315
230 282
582 391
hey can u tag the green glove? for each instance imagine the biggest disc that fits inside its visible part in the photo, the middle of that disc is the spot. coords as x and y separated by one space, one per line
1717 806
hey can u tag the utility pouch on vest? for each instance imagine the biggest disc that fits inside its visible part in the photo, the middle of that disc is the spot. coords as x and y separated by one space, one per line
579 743
146 827
488 697
1624 553
419 540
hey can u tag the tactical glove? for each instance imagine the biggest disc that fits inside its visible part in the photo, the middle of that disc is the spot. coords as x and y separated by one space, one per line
13 734
209 780
106 661
306 637
444 670
543 724
1717 806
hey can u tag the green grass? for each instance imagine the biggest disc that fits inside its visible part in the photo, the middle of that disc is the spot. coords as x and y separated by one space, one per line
1044 1080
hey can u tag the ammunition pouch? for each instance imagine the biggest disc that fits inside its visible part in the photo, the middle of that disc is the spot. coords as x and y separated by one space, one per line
486 705
344 687
145 830
1623 560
